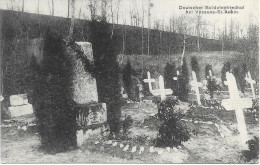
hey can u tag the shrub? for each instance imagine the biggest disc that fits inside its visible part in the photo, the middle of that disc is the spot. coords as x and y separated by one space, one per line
141 139
169 73
166 108
107 72
127 73
125 126
183 82
172 132
52 97
240 74
212 86
207 68
195 67
226 68
253 152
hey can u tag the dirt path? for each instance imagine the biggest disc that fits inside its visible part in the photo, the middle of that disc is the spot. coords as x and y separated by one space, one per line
24 148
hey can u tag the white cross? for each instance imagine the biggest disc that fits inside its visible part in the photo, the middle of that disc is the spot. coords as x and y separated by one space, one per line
161 91
149 81
238 104
1 98
249 79
195 86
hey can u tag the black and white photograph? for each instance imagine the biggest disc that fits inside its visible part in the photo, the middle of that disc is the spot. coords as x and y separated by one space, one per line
129 81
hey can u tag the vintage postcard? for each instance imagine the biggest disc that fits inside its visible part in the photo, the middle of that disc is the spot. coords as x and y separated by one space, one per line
129 81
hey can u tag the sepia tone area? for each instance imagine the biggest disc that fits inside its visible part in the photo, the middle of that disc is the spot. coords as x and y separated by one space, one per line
116 81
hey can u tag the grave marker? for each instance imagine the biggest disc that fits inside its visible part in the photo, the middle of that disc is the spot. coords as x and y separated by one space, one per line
133 149
195 86
126 148
161 91
19 105
1 98
238 104
249 79
149 81
89 111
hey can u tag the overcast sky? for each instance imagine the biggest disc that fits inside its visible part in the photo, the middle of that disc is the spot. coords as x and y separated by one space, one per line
162 10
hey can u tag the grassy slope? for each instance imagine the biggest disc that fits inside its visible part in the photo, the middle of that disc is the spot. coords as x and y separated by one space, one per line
156 64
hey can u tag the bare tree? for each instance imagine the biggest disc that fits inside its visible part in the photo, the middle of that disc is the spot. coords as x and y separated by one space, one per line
49 7
72 19
124 35
117 11
104 5
150 5
198 31
112 12
68 9
231 33
131 14
52 4
22 5
38 7
93 9
184 26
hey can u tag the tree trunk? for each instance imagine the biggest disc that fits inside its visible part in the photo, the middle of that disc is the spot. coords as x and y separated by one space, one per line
198 33
72 18
1 57
68 9
22 5
183 50
38 7
52 4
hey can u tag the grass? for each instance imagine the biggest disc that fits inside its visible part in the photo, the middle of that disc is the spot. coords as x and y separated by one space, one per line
156 64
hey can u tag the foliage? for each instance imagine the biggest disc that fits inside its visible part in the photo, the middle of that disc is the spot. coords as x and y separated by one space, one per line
125 126
183 82
212 86
226 68
207 68
172 132
170 72
107 72
16 66
195 67
166 108
253 152
52 97
127 79
240 74
141 139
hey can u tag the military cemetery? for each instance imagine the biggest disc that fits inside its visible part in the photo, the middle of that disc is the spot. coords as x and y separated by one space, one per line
116 81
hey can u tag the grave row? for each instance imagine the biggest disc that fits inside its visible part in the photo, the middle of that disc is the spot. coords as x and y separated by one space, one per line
233 103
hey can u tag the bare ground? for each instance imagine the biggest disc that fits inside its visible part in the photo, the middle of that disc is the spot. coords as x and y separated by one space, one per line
18 146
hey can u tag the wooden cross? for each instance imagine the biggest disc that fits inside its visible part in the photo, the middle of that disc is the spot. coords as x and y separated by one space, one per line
238 104
161 91
195 86
149 81
249 79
